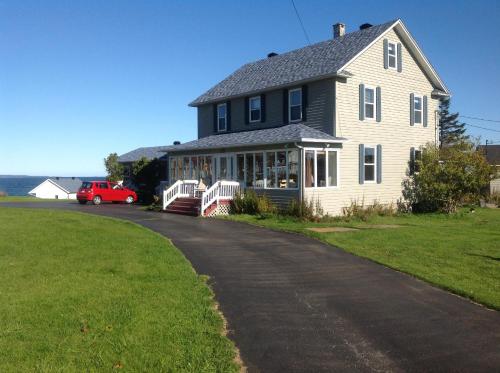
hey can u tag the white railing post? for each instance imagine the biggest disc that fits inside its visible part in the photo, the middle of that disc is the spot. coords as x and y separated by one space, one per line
225 190
181 188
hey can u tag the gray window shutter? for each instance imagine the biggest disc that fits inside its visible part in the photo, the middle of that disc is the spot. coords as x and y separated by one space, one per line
412 109
361 102
361 163
228 116
424 103
379 104
412 161
216 128
247 110
285 106
379 164
262 108
400 58
386 54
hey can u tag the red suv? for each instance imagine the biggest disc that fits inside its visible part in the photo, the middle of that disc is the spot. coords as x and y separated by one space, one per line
104 191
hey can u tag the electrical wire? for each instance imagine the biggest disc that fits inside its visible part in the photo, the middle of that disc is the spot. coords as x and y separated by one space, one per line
300 21
483 128
482 119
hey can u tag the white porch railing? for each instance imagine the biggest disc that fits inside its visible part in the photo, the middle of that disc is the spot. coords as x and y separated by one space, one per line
220 190
181 188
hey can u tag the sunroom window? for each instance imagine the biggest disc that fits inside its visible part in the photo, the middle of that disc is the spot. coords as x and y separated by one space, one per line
321 168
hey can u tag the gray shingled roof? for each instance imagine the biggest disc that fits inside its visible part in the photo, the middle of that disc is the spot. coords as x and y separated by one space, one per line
151 152
318 60
278 135
69 184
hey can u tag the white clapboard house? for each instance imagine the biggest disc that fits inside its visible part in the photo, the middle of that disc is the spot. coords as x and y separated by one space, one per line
57 188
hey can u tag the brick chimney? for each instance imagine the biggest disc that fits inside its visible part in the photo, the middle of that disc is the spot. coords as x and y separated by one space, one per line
338 30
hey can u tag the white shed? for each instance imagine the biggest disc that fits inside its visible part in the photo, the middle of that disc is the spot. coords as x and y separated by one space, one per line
57 188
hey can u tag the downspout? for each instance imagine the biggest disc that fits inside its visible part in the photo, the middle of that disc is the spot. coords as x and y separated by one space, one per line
301 188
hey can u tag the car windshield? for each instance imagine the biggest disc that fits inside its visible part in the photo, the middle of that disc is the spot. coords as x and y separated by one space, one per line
86 185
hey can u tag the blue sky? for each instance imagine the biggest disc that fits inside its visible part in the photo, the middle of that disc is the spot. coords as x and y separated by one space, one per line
81 79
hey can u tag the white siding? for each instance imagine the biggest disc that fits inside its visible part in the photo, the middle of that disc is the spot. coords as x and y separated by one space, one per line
394 132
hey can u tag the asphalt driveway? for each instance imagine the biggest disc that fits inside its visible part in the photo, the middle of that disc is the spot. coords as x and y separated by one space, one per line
297 305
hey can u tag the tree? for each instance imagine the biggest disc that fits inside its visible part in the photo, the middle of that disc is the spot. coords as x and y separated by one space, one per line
451 131
113 167
447 178
146 176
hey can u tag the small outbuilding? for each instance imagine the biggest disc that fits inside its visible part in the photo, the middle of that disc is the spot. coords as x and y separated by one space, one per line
57 188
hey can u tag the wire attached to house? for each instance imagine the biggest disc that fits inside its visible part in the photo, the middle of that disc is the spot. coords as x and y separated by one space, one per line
483 128
482 119
300 21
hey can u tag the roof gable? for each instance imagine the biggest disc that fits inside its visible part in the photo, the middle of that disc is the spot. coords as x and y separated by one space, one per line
325 59
150 152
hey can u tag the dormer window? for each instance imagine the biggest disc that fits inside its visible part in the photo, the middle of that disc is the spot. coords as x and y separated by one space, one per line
391 51
295 104
222 117
254 108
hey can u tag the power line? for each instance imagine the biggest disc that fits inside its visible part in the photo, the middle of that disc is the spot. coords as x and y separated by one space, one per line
483 128
301 24
483 119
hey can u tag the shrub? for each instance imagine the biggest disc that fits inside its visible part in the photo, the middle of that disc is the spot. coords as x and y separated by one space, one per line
494 198
360 211
447 178
308 210
252 204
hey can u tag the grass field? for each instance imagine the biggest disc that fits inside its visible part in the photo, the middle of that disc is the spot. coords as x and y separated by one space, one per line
86 293
27 199
459 252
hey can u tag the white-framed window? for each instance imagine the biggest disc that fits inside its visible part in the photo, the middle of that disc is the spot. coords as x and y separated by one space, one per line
370 163
370 102
415 159
221 117
254 109
418 104
392 55
320 168
295 104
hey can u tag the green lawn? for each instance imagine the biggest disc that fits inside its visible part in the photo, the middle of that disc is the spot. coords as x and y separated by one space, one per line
27 199
459 252
86 293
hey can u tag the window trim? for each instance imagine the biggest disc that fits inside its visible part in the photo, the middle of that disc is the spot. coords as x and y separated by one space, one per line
290 91
374 118
375 155
250 109
315 150
225 118
421 97
420 149
389 43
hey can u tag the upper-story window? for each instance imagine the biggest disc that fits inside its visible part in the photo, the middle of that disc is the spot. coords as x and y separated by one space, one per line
254 108
295 104
222 117
417 109
369 102
392 59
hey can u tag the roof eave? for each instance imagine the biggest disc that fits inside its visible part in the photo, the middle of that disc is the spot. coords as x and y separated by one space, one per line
339 74
339 140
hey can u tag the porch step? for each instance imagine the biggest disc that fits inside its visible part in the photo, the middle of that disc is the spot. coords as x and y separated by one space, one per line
185 206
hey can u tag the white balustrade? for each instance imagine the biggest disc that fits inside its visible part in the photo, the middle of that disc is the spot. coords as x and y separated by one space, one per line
181 188
222 189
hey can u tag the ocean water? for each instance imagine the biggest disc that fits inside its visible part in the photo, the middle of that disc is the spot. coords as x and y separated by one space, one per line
21 185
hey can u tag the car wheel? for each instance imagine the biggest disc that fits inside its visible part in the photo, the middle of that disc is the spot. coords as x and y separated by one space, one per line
82 202
97 200
129 200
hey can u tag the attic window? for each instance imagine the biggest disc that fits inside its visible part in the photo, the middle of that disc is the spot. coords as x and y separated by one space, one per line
391 51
